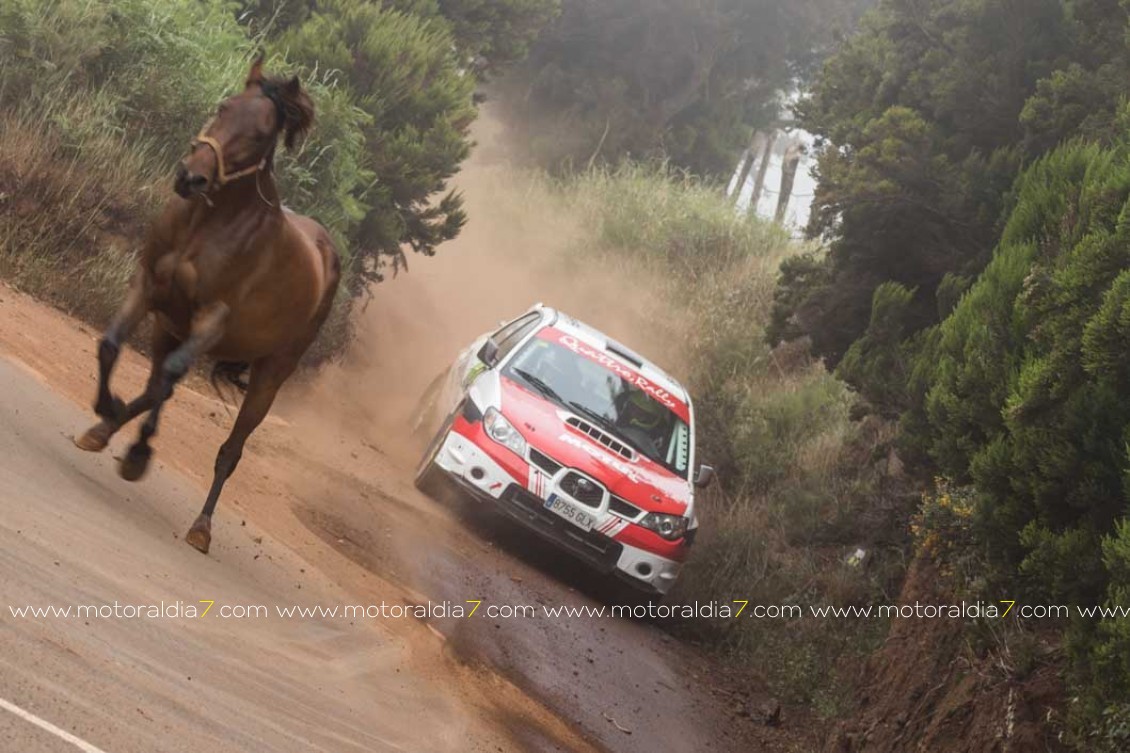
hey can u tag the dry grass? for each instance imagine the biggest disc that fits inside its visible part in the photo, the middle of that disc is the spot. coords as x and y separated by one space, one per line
71 214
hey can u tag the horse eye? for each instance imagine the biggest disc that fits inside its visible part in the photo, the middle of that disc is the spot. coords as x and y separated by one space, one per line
223 106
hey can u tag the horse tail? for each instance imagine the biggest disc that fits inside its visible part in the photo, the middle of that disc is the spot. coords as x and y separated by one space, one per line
231 372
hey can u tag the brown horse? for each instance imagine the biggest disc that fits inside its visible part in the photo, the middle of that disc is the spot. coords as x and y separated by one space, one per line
227 273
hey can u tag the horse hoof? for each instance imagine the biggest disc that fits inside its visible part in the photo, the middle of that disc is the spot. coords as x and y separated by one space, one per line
200 535
96 438
135 463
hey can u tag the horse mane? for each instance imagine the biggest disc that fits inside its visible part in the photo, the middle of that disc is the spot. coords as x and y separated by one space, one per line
294 103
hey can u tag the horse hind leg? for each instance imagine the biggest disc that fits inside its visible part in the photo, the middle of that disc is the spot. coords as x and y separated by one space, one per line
98 436
266 378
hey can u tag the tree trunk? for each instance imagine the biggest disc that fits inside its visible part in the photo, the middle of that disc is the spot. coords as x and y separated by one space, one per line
739 176
756 146
788 176
759 184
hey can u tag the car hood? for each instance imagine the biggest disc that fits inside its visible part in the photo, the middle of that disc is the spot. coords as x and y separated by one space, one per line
642 482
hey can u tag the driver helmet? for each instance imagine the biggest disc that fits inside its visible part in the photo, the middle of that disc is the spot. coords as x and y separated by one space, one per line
642 411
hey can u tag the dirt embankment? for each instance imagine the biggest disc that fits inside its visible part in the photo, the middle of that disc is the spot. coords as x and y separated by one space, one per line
927 689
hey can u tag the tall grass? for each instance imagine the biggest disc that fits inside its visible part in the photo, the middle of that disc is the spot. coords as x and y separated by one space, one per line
98 100
154 69
71 210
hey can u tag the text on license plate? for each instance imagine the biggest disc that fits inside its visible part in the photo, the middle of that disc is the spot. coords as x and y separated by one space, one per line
571 512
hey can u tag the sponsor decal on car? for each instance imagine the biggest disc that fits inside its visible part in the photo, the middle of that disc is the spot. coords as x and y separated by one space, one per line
622 371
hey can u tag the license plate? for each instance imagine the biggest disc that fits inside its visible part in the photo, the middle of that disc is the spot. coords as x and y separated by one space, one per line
571 512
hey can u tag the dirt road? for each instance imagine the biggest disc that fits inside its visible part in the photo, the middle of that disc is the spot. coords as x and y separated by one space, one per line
73 534
316 516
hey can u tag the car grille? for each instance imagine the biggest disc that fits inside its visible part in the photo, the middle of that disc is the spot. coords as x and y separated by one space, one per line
546 463
623 508
584 490
601 437
595 548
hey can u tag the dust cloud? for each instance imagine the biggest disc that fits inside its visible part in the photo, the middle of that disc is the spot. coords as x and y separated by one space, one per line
521 245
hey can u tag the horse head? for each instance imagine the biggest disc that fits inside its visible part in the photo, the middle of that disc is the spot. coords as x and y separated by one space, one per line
240 139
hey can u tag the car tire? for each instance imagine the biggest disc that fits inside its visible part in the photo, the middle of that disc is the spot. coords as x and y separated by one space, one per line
430 478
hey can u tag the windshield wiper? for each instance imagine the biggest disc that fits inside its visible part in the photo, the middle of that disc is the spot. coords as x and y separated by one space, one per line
538 384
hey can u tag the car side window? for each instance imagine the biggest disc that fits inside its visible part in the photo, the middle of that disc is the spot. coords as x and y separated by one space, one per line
513 333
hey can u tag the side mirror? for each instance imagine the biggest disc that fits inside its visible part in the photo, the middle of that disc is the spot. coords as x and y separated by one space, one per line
488 353
705 476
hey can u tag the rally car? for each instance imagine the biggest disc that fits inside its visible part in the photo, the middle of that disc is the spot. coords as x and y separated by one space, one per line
576 437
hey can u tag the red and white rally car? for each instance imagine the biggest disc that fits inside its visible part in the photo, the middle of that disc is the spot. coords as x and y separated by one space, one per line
576 437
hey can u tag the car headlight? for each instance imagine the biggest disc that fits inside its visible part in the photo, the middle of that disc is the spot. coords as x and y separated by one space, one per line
670 527
503 432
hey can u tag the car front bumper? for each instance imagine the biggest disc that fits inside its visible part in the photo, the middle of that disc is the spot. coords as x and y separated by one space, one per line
486 478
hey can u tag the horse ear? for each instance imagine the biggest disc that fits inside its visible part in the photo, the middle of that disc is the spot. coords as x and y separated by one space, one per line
255 75
293 86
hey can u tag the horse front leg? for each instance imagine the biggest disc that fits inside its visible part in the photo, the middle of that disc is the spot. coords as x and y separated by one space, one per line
267 375
207 330
133 310
98 436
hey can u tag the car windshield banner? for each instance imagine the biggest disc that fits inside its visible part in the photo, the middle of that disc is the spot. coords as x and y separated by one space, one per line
625 372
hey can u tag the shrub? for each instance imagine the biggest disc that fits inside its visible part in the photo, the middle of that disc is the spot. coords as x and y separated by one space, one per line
878 360
943 530
401 72
1022 395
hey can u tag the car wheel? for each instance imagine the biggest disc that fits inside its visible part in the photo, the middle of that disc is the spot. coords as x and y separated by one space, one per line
430 478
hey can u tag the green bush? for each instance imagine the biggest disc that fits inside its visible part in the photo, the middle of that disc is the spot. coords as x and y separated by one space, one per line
879 358
1022 391
943 525
401 72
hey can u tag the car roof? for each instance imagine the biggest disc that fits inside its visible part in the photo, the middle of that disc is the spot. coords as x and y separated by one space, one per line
596 339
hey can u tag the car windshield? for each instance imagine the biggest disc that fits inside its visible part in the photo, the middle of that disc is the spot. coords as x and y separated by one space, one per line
603 397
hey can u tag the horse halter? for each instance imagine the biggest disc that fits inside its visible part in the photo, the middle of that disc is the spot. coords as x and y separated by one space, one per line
223 177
